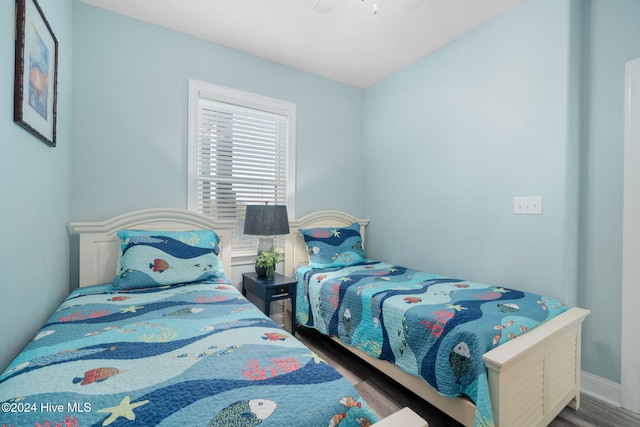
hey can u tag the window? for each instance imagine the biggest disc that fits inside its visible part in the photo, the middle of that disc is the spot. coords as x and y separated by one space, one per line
241 152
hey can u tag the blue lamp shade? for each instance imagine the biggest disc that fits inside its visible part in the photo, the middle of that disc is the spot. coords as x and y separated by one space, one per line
266 220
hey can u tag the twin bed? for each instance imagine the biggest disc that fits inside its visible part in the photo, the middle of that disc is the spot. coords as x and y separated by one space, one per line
134 347
431 328
158 335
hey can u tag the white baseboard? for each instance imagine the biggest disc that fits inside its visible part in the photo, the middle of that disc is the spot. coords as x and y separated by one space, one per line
601 389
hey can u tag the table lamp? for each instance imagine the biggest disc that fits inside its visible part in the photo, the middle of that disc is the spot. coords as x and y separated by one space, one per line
266 221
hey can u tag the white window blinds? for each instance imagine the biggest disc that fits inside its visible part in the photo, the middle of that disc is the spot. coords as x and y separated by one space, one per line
241 147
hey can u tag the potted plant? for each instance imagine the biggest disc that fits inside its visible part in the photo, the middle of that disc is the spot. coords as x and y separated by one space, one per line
266 262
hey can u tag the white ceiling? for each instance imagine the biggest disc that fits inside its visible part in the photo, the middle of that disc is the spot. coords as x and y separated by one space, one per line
349 44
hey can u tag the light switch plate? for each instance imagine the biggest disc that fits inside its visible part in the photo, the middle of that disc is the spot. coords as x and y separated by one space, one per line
527 205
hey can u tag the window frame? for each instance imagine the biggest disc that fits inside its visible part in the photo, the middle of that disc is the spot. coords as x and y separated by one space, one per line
245 99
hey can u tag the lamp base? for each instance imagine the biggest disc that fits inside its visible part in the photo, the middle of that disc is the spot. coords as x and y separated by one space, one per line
265 243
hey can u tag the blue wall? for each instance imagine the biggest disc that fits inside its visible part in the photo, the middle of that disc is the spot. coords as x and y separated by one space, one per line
34 194
451 139
131 117
611 35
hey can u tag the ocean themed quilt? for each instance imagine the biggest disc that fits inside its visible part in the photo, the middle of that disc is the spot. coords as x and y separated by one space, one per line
184 355
431 326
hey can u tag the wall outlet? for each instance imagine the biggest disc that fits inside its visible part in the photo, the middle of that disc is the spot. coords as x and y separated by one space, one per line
530 205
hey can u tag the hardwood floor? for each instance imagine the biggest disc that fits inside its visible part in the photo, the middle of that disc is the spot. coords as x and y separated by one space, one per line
385 396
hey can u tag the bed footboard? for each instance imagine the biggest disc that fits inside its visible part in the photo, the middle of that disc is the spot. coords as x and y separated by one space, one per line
532 378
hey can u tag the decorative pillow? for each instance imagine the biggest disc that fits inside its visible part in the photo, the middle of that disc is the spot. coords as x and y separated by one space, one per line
160 258
334 247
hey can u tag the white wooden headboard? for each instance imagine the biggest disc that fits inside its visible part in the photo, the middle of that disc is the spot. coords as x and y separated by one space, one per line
295 248
99 243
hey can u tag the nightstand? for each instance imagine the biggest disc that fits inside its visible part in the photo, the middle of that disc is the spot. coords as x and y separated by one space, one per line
280 288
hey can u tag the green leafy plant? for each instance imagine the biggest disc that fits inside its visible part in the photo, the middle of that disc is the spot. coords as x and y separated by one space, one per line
268 258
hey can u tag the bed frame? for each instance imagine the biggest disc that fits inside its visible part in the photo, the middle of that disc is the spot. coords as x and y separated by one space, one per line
99 251
531 378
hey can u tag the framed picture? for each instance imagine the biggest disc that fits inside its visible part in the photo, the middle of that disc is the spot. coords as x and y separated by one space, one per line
36 72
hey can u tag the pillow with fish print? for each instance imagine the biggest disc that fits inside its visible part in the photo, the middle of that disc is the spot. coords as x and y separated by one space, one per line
333 246
160 258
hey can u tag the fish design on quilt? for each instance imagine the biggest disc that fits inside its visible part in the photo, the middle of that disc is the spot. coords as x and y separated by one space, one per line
321 234
16 368
496 339
226 350
335 420
244 413
147 240
97 375
106 329
183 355
159 265
350 402
460 360
363 422
185 311
543 304
507 324
508 308
274 336
346 321
43 334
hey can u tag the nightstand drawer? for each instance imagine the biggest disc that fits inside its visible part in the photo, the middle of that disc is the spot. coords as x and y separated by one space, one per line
281 291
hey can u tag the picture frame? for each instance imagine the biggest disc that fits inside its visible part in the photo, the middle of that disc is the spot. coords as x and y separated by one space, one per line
36 72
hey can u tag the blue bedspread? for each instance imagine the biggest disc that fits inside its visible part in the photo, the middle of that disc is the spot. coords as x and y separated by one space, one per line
429 325
186 355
